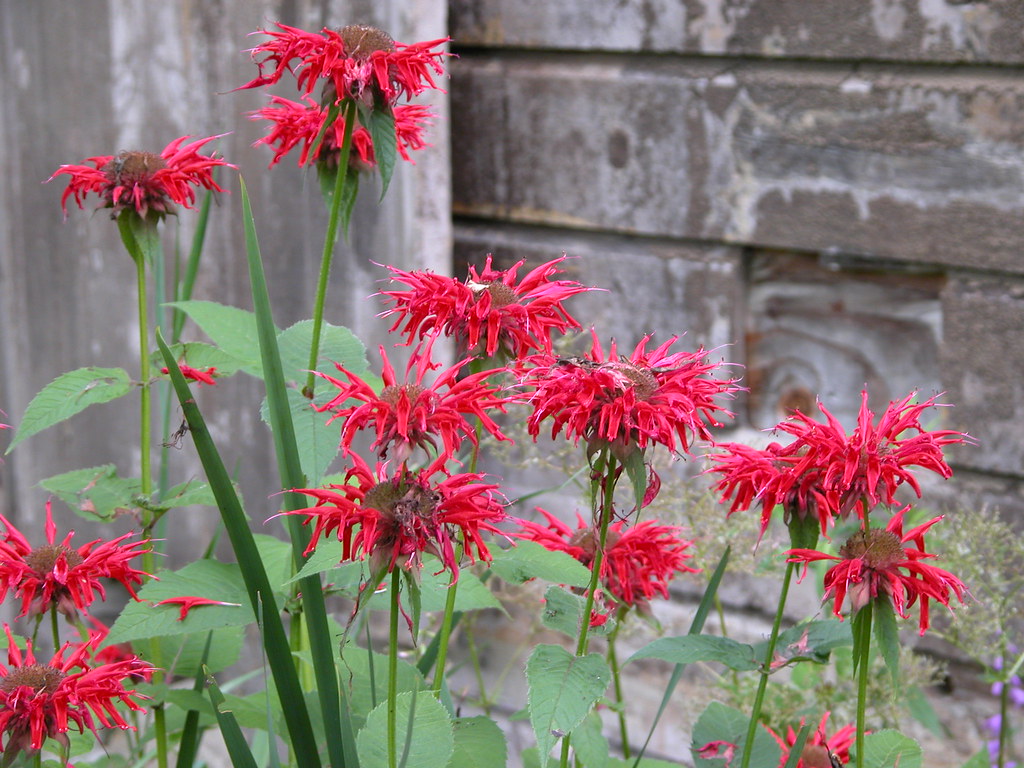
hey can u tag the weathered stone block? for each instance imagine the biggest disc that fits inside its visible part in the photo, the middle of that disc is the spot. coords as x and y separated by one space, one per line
911 30
983 369
926 167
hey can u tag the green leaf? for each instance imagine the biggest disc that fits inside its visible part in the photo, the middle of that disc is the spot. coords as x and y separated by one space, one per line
562 689
479 743
922 710
185 652
887 634
589 744
232 329
721 723
95 492
203 578
98 493
234 740
68 394
200 355
365 680
337 345
385 141
636 470
979 759
472 594
428 734
562 611
891 749
528 560
688 649
317 441
810 641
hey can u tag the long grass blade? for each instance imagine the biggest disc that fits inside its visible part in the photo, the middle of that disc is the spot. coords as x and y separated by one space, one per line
190 733
290 471
234 740
254 574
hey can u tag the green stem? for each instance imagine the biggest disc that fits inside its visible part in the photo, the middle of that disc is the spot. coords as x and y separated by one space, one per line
329 238
613 663
478 672
766 668
54 625
608 462
863 652
144 427
393 672
445 633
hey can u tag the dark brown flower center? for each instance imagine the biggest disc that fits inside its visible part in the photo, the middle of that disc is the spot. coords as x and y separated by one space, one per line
880 549
129 167
501 294
43 559
405 504
392 394
41 678
361 41
644 382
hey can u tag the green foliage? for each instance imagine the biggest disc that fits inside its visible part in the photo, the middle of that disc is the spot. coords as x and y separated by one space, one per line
891 749
70 394
529 560
721 723
98 493
688 649
479 743
562 690
424 737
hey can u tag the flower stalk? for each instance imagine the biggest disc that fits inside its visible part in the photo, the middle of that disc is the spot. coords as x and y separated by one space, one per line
329 241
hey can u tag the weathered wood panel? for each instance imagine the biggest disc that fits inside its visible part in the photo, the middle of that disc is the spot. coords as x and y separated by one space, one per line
919 166
646 285
894 30
98 76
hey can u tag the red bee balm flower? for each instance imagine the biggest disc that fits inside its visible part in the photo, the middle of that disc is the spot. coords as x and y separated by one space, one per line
395 519
411 414
353 60
826 472
818 749
55 575
875 563
295 124
628 402
490 311
142 181
40 701
638 562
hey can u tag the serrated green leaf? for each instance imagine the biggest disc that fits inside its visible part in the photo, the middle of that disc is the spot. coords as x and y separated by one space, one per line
472 594
185 652
810 641
688 649
431 741
233 330
891 749
562 689
589 744
317 441
200 355
636 470
562 611
94 492
479 743
887 634
70 394
528 560
337 345
365 680
385 141
721 723
979 759
204 578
